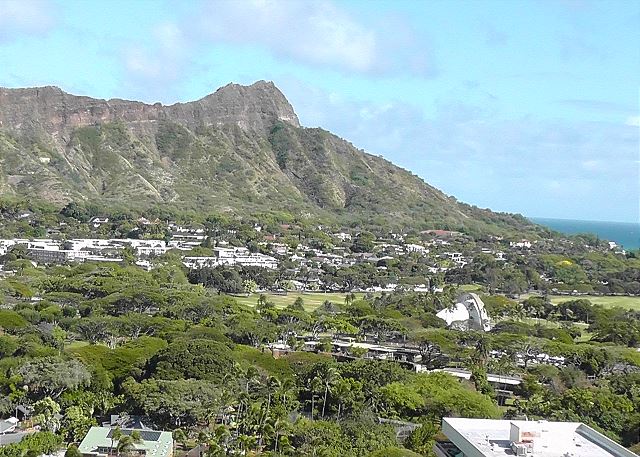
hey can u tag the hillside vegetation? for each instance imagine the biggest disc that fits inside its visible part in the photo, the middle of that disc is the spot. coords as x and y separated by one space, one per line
238 150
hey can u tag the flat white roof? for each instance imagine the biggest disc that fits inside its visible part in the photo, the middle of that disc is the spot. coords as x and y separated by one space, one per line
491 438
466 374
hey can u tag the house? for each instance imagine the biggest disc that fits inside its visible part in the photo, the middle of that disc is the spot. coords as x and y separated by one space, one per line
54 256
231 256
98 442
9 425
11 431
503 385
454 256
441 233
416 248
128 422
497 438
342 236
98 221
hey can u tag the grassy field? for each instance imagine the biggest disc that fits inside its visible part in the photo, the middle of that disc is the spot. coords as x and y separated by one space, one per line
606 301
76 344
312 300
586 335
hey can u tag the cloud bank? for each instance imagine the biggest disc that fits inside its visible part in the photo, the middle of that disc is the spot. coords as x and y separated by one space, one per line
317 33
574 169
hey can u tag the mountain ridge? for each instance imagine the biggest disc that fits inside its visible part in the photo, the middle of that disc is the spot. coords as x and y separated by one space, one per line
62 108
241 148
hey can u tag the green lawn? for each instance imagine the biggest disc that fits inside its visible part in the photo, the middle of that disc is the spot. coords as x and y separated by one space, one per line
541 322
586 334
76 344
312 300
606 301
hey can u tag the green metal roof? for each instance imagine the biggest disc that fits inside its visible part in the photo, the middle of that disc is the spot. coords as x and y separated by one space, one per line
154 443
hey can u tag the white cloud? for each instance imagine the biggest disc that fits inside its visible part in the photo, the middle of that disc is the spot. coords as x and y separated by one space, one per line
140 62
318 33
170 38
150 69
25 17
633 121
597 105
523 164
312 33
591 165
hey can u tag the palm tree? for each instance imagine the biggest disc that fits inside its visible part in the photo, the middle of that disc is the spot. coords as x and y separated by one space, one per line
286 390
250 376
315 385
243 406
341 390
179 436
278 428
253 421
116 434
273 385
228 399
247 442
218 441
330 376
482 349
127 443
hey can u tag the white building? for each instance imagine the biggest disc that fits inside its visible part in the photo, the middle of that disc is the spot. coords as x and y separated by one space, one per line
454 256
183 245
182 229
52 256
342 236
522 244
230 257
499 438
98 221
416 248
467 314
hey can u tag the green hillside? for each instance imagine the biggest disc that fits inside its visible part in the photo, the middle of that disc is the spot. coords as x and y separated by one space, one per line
239 150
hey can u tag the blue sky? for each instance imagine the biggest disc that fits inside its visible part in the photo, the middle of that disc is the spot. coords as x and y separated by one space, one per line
529 107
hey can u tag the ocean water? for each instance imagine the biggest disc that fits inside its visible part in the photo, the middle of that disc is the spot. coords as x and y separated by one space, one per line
626 234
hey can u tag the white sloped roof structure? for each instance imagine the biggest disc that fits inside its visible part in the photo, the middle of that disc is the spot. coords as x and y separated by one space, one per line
467 314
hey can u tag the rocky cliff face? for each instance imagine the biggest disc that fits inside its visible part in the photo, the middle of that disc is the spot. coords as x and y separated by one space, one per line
254 107
239 149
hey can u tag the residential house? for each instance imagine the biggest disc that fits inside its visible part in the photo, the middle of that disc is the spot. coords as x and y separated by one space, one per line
98 221
99 442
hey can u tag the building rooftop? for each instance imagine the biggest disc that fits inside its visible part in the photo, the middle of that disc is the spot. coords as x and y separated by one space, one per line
97 441
128 422
500 438
497 378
